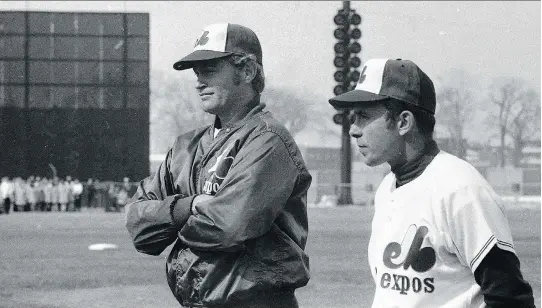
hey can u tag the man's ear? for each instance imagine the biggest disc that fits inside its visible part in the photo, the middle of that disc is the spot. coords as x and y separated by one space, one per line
250 70
405 122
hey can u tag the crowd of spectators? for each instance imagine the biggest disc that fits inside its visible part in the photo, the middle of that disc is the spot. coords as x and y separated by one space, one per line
62 194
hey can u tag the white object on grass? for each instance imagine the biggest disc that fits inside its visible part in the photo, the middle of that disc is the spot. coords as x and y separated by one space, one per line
102 246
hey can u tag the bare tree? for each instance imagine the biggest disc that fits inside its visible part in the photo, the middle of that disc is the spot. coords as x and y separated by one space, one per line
176 104
174 109
524 124
287 107
301 111
517 115
456 109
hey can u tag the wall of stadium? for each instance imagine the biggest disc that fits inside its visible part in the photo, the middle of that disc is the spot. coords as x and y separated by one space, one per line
74 94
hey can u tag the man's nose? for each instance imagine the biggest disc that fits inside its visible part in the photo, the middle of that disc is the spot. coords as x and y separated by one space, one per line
200 85
355 131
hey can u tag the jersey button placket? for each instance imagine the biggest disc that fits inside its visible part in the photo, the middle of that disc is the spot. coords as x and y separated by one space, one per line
392 210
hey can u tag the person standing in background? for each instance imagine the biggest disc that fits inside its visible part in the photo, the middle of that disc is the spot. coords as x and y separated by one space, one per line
30 195
64 195
69 206
38 194
19 194
111 198
121 197
77 190
48 192
89 190
128 187
6 194
56 194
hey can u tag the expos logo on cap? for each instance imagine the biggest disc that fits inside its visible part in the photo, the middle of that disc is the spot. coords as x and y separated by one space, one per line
382 79
222 40
213 38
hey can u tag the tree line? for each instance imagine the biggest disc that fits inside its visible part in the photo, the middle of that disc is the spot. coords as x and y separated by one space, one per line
507 110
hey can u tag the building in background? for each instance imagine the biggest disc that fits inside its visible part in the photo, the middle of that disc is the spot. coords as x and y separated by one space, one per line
74 94
324 166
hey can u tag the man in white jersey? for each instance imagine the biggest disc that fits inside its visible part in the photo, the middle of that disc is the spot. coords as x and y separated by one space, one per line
440 236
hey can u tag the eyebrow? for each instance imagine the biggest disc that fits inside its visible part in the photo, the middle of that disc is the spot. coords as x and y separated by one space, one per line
208 65
361 112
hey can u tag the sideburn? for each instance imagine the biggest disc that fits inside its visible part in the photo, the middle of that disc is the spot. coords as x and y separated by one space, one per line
390 119
237 79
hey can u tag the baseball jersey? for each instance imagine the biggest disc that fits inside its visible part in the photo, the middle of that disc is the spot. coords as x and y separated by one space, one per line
429 236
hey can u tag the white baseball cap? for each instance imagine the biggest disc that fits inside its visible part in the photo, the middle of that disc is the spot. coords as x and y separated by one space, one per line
222 40
381 79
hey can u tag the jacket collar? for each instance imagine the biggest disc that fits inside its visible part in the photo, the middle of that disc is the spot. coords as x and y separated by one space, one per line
231 126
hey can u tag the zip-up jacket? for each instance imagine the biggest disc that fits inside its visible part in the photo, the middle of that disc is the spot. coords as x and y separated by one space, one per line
248 239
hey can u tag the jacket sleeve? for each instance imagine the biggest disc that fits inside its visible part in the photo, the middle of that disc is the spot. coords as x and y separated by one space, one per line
148 217
253 194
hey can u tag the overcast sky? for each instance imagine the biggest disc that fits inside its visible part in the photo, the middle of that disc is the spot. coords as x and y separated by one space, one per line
486 39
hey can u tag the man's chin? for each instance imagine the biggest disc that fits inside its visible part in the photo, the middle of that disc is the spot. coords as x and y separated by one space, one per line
371 162
209 107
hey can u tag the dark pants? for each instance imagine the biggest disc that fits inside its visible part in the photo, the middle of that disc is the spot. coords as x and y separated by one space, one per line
77 203
285 299
7 205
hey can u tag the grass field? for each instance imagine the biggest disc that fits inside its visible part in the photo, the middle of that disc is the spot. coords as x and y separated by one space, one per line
45 261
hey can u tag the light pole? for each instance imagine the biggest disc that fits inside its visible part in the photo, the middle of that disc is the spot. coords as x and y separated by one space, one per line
347 75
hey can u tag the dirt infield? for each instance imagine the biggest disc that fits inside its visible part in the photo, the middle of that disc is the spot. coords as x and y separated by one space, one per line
45 261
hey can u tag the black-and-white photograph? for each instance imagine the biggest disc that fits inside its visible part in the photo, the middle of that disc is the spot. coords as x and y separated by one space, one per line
270 154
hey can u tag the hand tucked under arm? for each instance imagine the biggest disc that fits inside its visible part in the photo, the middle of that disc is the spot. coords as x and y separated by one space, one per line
182 207
199 199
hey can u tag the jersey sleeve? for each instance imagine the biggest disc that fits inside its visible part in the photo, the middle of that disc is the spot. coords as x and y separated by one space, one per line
478 223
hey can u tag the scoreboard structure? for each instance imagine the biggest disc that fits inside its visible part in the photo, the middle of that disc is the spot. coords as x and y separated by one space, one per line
74 94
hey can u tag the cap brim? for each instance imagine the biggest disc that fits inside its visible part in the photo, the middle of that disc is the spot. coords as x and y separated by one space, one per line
353 99
197 56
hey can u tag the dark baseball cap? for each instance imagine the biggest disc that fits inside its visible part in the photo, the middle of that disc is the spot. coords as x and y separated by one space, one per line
381 79
222 40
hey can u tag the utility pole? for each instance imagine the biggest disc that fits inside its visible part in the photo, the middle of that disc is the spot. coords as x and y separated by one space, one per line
347 76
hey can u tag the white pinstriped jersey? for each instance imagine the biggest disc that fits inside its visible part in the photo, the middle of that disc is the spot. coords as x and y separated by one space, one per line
429 236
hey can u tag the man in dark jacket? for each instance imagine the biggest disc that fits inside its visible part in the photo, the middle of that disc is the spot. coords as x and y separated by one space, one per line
232 195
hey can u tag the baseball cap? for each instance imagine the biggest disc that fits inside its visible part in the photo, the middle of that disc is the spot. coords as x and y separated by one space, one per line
219 41
381 79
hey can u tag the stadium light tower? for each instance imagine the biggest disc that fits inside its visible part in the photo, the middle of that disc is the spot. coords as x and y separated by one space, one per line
347 62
